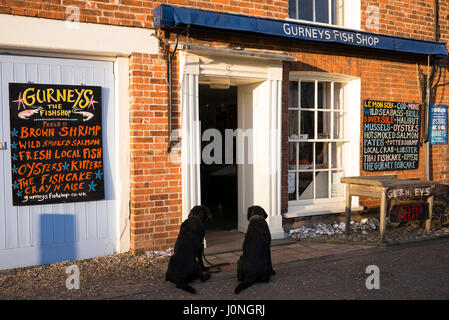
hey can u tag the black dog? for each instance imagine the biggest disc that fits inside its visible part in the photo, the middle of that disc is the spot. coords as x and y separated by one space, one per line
186 264
255 263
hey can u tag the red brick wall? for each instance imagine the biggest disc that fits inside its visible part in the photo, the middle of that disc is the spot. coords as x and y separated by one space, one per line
155 179
408 18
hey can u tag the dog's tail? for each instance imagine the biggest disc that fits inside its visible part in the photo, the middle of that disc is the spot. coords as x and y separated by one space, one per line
242 286
185 286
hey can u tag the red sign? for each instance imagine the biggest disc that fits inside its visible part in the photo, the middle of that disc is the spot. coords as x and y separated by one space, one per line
409 212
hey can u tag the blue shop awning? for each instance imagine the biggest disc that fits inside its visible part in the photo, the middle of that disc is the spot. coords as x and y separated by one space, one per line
173 16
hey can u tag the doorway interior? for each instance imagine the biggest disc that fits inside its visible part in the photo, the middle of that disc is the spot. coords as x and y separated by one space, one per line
219 184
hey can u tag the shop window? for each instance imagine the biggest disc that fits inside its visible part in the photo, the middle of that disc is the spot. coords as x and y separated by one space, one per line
319 11
316 140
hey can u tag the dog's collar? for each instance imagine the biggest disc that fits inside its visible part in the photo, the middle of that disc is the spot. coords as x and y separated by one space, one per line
256 216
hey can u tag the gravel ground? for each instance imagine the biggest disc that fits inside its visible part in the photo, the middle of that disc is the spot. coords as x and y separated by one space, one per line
367 232
99 277
124 273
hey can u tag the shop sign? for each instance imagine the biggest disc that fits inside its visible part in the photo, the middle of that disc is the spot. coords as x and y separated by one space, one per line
177 16
56 143
414 192
390 135
438 124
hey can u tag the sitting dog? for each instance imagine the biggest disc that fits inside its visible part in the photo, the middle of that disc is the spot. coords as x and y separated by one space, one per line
186 263
255 263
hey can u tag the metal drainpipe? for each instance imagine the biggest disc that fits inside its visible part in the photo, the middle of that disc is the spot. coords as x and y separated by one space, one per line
427 109
169 76
170 58
426 126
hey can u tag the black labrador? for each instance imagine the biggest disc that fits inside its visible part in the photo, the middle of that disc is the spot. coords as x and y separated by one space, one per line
186 263
255 263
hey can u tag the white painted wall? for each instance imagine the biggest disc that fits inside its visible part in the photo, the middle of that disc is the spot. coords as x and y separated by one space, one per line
54 38
29 33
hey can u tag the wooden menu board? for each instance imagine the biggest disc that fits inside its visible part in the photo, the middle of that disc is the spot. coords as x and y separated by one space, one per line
56 143
390 135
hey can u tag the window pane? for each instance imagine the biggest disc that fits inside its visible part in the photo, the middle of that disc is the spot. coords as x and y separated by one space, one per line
324 95
322 184
307 125
305 155
337 188
292 186
338 122
307 94
293 129
305 9
305 188
338 95
293 94
322 11
292 9
321 155
324 125
337 155
292 155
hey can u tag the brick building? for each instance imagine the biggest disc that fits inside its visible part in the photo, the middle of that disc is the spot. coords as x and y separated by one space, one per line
289 78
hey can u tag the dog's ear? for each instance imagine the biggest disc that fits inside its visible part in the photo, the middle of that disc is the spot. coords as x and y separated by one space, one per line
205 215
250 213
201 212
261 212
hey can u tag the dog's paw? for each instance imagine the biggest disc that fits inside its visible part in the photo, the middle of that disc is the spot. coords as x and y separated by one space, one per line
205 269
206 277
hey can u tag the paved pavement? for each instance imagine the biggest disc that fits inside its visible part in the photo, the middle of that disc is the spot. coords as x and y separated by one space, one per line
327 271
305 270
290 252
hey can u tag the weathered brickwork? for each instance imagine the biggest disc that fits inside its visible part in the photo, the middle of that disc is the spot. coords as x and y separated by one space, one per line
156 195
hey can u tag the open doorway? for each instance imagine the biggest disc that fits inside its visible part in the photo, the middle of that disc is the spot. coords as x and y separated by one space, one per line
219 189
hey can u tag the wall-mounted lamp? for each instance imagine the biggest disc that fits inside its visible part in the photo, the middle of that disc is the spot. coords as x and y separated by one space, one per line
220 83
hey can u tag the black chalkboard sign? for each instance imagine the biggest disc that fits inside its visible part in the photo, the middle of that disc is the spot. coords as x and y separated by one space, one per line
56 143
390 135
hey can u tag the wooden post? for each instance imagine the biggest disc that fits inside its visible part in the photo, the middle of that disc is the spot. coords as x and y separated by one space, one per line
429 221
383 213
348 210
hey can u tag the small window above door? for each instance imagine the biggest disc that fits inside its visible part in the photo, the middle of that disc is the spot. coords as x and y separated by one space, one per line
318 11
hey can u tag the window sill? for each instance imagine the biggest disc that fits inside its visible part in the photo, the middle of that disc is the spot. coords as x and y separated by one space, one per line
295 211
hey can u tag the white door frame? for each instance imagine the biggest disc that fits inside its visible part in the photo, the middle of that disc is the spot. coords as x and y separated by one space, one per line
266 124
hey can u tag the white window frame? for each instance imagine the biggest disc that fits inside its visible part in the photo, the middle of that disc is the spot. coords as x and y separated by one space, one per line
351 138
350 15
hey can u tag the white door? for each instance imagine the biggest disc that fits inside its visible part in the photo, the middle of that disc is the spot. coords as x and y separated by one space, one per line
42 234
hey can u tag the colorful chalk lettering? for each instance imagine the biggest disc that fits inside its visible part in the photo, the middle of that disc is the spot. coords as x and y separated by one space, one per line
56 143
438 124
390 135
406 212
